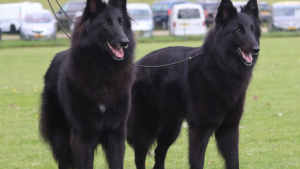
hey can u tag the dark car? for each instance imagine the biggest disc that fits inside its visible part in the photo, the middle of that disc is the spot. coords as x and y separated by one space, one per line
162 10
70 9
265 11
210 10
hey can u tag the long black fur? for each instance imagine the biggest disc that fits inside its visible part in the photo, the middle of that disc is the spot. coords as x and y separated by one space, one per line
208 91
86 98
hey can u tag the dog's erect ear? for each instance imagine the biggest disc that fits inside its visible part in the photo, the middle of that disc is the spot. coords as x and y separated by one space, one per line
93 5
226 11
118 3
251 8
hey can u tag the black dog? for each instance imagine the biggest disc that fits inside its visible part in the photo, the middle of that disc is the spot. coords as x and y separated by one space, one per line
87 91
208 91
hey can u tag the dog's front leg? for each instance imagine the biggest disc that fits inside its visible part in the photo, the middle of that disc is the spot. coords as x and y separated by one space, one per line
114 147
83 148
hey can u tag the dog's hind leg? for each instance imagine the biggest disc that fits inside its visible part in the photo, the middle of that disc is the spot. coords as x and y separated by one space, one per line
139 139
164 141
140 151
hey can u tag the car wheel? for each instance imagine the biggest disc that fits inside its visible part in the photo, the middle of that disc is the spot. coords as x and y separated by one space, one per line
164 25
22 36
13 29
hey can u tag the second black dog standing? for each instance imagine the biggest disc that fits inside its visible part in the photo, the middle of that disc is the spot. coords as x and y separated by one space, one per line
208 91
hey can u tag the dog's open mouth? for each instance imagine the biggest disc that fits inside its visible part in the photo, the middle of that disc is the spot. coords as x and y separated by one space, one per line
116 52
246 57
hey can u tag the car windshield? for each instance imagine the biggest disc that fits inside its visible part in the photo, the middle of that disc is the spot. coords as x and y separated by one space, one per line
75 6
160 7
139 14
38 18
188 13
287 11
264 7
212 7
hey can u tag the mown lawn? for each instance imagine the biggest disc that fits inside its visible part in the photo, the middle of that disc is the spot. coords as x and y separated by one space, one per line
269 132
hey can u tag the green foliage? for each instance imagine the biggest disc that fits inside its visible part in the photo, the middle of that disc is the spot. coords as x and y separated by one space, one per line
269 131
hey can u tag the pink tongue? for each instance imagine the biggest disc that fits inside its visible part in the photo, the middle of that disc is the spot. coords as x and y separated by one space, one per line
247 57
118 52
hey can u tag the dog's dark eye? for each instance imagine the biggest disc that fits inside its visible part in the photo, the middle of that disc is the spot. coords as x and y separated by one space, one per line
106 23
238 30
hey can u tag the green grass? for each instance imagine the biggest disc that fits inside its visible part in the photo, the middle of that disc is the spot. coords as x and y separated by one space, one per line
267 140
45 2
66 41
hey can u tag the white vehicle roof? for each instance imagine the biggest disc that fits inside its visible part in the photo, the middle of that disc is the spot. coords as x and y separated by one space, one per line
286 4
78 13
138 6
239 3
186 5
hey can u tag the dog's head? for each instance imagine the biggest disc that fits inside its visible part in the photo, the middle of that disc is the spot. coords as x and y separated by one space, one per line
237 34
106 25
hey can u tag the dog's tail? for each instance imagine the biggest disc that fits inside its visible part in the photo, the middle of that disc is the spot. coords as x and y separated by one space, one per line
53 124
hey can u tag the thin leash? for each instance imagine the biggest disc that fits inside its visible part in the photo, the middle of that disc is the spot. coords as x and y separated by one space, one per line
144 66
170 64
57 18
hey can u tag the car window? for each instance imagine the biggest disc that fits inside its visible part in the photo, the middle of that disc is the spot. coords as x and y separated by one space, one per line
160 7
188 14
212 7
76 7
264 7
287 11
37 18
139 14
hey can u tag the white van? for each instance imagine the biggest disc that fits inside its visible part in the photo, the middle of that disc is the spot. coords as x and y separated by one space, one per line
187 19
12 14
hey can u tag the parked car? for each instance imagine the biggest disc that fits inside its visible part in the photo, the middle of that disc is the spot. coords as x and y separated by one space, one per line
265 11
285 16
239 4
70 9
38 25
142 17
76 16
162 10
210 10
12 14
187 19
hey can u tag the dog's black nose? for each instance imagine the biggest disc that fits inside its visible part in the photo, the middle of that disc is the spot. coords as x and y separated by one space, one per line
124 43
255 49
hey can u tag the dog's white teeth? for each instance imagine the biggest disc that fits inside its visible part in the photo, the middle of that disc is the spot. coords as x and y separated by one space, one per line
109 45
